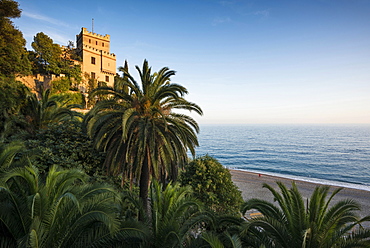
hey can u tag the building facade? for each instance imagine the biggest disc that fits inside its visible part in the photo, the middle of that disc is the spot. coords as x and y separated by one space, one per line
98 62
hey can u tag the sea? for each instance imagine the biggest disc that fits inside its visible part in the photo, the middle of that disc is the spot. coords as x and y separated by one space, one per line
326 154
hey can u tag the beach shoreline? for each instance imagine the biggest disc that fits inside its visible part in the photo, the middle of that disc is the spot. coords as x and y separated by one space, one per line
250 184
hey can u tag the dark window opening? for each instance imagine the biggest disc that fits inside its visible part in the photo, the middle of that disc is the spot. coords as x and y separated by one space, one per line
92 75
93 60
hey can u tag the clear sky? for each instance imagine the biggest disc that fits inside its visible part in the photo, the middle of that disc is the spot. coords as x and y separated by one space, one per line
243 61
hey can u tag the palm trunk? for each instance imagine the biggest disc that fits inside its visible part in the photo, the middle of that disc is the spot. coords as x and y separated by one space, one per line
144 188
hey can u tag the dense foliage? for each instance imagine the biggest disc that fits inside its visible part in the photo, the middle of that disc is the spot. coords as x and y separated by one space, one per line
13 96
62 211
66 145
13 54
212 184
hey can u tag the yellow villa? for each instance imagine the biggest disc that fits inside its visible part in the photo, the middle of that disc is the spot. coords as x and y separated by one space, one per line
97 61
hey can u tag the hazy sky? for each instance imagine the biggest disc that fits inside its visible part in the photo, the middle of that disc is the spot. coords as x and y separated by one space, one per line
277 61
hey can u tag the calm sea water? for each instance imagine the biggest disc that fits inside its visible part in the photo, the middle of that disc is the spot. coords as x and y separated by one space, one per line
329 154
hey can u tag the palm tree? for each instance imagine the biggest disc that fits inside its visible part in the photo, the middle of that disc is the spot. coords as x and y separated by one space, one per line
62 211
321 224
140 131
174 217
214 241
119 81
48 109
220 230
174 213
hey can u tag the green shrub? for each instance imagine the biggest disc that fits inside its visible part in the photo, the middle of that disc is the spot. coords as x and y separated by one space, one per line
65 87
75 98
60 85
66 145
212 184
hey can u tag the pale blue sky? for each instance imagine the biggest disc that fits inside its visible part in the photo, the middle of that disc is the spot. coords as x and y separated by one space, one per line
297 61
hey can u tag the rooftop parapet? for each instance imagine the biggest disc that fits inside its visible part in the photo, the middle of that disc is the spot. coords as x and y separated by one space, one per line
105 37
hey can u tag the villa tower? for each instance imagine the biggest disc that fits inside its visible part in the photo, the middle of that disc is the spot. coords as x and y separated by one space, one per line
97 61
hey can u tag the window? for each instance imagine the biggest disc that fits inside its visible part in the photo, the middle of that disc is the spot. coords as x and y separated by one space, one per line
106 78
96 42
89 40
93 60
102 44
92 75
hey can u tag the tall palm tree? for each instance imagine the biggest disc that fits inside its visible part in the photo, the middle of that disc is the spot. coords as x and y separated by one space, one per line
140 130
322 224
62 211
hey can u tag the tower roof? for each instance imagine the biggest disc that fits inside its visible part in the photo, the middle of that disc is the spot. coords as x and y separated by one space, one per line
84 31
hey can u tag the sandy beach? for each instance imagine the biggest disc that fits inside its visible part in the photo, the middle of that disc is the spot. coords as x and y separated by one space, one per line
250 184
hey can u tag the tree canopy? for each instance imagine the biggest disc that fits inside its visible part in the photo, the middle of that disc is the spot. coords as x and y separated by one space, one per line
50 58
48 54
9 9
13 54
